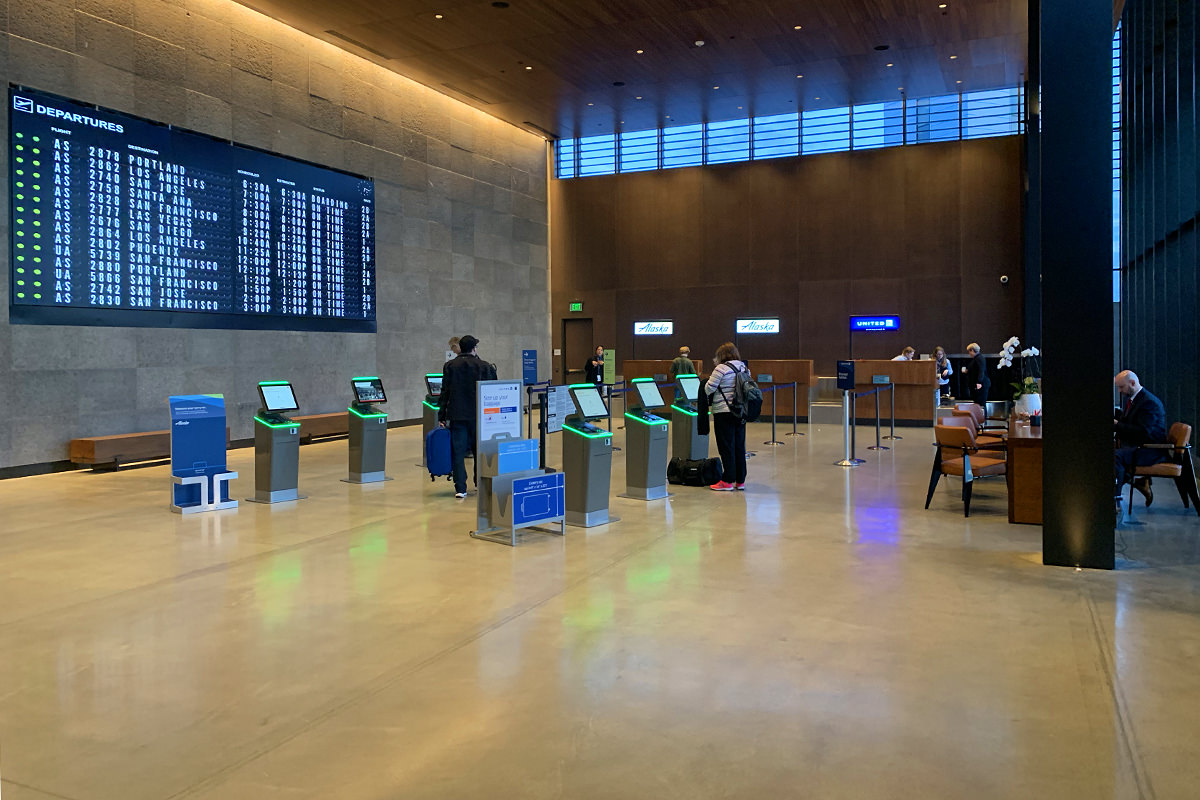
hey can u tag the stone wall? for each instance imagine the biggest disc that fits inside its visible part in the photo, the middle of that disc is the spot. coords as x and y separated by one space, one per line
461 217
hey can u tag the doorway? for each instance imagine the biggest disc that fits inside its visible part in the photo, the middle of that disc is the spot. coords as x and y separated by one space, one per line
577 346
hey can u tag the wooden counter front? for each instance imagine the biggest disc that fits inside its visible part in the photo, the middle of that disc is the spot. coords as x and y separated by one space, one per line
916 390
786 370
1024 473
648 368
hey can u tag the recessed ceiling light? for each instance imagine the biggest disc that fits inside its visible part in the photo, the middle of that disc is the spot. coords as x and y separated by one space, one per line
816 98
437 16
639 97
528 67
716 87
639 52
591 104
739 108
941 5
799 76
953 57
891 65
958 81
797 27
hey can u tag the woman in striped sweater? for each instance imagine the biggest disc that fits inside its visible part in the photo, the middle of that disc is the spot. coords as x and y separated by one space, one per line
729 429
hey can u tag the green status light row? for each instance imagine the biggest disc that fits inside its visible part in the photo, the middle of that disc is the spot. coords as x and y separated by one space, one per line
22 177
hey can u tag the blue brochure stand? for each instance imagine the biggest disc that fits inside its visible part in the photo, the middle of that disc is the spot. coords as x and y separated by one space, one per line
198 470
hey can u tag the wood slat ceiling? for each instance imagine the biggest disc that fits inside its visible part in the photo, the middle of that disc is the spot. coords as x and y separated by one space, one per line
577 50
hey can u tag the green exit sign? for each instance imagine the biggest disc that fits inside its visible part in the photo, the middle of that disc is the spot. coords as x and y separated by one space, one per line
577 306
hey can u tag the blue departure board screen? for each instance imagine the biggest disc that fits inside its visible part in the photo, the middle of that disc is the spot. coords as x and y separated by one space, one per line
116 220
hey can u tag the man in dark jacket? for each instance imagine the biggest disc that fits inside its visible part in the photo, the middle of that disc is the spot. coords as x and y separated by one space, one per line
456 405
979 385
1140 420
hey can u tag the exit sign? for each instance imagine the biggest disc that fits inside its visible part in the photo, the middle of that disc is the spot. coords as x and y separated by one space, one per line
577 306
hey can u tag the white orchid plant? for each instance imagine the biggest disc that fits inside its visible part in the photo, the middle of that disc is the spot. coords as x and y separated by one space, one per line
1029 367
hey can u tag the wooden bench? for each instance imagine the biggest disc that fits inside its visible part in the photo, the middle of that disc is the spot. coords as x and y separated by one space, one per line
126 448
122 448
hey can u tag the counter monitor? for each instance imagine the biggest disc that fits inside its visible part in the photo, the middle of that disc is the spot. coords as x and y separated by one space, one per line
690 386
368 390
433 382
648 394
278 396
588 400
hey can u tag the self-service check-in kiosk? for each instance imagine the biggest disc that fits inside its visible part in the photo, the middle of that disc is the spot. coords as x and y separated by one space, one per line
587 459
686 443
429 407
368 431
276 445
645 443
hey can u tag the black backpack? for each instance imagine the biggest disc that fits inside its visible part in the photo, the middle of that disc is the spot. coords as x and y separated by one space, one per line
747 397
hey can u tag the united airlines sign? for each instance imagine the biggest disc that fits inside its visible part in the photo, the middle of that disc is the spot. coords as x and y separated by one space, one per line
757 326
659 328
874 323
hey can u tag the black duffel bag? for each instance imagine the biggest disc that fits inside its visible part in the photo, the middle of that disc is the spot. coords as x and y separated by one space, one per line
694 472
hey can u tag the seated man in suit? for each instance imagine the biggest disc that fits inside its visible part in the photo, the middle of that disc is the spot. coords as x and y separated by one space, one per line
1141 419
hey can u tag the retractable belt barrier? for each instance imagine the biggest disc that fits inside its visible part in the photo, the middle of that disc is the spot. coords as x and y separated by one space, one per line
850 424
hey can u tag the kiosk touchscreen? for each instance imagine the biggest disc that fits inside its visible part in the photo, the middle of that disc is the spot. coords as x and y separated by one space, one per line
590 404
277 397
276 444
368 390
368 431
433 384
689 387
648 395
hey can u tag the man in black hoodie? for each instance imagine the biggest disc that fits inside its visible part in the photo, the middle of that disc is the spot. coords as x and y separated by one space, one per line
456 405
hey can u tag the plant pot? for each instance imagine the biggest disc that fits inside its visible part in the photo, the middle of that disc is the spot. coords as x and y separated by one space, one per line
1029 403
1035 422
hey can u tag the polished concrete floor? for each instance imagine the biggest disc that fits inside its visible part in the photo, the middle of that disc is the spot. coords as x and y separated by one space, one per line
819 636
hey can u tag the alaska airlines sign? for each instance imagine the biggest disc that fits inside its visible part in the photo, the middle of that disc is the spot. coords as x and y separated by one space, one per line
757 326
659 328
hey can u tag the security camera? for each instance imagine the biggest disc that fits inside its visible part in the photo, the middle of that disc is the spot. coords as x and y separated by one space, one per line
1004 279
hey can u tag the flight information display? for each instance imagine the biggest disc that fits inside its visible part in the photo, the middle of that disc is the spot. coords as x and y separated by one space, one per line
117 220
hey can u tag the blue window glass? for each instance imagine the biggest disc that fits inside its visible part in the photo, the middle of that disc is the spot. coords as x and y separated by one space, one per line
639 151
932 119
565 148
878 125
683 146
728 141
992 113
777 136
825 131
598 155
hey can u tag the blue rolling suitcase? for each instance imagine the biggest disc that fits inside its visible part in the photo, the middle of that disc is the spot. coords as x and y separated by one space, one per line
437 453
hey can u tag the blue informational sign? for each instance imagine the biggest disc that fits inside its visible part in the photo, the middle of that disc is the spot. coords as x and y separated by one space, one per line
540 498
845 375
874 323
197 444
529 366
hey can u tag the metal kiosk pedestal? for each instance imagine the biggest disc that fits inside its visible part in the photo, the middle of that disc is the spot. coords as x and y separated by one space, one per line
686 443
276 445
645 444
368 432
587 459
429 408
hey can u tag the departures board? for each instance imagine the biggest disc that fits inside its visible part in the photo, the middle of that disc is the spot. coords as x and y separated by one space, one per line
117 220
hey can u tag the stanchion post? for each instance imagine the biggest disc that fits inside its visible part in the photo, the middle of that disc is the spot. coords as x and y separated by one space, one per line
774 442
848 459
795 408
542 403
877 445
892 434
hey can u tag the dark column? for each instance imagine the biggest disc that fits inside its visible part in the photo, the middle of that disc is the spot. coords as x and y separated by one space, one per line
1075 188
1032 212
